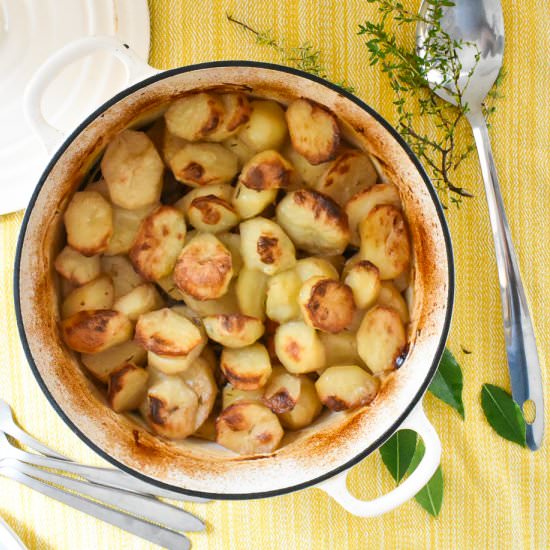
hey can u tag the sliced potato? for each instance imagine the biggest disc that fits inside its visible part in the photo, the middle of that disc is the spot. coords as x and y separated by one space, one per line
310 174
282 390
232 395
313 130
341 348
326 304
248 428
307 408
236 112
314 222
200 379
282 296
246 368
225 305
212 214
315 267
139 300
97 294
122 273
77 268
204 268
266 170
89 223
381 339
251 202
364 280
346 387
232 241
233 331
96 330
265 246
385 241
158 243
299 348
171 364
391 297
127 387
133 170
239 148
169 286
126 225
220 190
251 290
266 128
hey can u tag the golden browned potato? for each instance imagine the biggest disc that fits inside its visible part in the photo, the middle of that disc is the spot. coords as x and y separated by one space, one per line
326 304
307 408
97 294
282 296
89 223
246 368
360 205
251 202
158 243
248 428
251 290
237 112
195 116
232 241
220 190
391 297
139 300
77 268
299 348
200 379
265 246
313 130
315 267
385 241
96 330
346 387
282 390
225 305
314 222
364 280
212 214
102 364
133 170
350 172
266 170
127 387
126 224
308 173
234 330
381 339
122 273
341 348
231 395
266 128
204 268
239 148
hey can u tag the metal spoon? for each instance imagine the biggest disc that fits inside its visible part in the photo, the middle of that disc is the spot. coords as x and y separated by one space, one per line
480 26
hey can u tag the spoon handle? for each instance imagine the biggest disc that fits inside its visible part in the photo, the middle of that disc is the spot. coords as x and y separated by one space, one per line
521 347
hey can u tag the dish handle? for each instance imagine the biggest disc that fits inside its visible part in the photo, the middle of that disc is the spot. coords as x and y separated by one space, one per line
336 486
52 137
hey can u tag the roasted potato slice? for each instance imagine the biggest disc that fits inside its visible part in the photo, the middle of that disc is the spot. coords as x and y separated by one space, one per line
200 379
89 223
313 130
341 348
266 128
381 339
246 368
96 330
212 214
171 364
232 395
308 173
389 296
314 222
266 170
127 387
346 387
282 390
236 112
122 273
265 246
97 294
225 305
307 408
169 286
239 148
220 190
251 202
232 241
234 330
385 241
282 296
133 170
248 428
360 205
195 116
315 267
142 299
126 225
299 348
158 243
204 268
77 268
363 278
326 304
251 290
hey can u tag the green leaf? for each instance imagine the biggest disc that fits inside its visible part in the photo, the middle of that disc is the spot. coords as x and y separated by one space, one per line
503 413
447 382
398 452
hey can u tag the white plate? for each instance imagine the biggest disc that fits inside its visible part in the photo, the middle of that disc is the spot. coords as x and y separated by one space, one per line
31 30
8 539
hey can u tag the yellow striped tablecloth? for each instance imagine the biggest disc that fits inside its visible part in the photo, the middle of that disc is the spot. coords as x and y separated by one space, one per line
497 494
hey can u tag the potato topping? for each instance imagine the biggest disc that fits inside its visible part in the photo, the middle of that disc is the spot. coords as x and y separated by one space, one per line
266 128
97 294
233 330
127 387
236 112
364 280
307 408
266 170
246 368
77 268
282 390
299 348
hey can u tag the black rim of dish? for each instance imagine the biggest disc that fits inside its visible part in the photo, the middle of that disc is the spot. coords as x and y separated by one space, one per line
450 297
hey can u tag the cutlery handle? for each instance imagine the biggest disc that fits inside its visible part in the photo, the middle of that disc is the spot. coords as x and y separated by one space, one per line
521 347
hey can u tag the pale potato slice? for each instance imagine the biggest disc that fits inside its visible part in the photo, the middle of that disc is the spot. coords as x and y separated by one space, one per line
204 268
126 225
265 246
282 390
381 339
239 148
385 241
326 304
341 348
226 305
251 202
307 408
346 387
299 348
246 368
101 187
313 130
89 223
139 300
391 297
158 243
172 364
314 222
282 296
233 331
232 241
200 379
102 364
197 164
194 116
122 273
169 286
349 263
364 280
127 387
266 170
133 170
220 190
251 290
266 128
232 395
96 330
310 174
77 268
315 267
171 145
97 294
360 205
248 428
236 112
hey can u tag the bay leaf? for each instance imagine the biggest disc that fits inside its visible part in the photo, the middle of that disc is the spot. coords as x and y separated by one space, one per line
448 382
